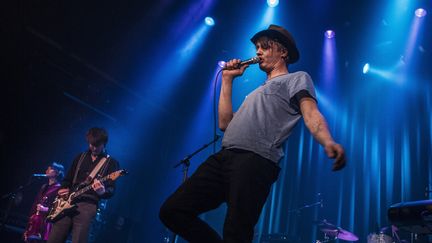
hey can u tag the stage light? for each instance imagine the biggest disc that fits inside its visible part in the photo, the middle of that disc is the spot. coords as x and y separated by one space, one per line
366 68
420 12
209 21
329 62
329 34
272 3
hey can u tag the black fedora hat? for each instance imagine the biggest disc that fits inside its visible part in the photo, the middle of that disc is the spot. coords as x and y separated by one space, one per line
284 37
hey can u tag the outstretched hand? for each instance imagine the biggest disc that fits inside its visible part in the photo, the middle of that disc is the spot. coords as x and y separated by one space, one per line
337 152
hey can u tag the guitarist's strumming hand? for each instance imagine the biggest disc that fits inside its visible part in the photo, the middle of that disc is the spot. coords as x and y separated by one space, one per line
98 187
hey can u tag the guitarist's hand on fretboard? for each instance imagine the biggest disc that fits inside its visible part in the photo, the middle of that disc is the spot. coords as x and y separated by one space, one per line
64 192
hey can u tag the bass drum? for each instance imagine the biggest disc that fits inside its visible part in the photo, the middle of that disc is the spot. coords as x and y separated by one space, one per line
379 238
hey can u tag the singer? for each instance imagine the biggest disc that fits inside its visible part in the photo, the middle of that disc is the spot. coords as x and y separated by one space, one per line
241 174
38 229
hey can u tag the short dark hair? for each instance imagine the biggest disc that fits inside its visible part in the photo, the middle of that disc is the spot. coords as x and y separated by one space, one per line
97 136
268 42
59 168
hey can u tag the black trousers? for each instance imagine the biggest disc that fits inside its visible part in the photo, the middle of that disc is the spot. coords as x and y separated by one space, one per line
240 178
79 223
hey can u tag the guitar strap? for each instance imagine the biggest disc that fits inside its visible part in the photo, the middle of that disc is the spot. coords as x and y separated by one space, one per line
104 167
94 171
97 168
83 155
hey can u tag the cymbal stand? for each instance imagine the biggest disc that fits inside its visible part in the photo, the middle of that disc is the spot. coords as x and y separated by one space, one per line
298 211
326 239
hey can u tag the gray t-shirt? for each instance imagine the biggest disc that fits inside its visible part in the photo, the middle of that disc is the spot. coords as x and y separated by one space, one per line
267 116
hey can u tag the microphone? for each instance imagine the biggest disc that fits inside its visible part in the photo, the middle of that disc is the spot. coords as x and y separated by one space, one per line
252 60
39 175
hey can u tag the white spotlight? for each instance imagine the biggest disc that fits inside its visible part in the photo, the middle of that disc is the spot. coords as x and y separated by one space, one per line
366 68
329 34
209 21
272 3
420 12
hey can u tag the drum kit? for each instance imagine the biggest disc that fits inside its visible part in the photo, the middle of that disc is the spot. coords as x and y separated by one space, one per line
386 235
333 233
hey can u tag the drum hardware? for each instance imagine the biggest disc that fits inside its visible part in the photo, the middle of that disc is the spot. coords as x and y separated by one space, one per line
414 217
298 211
379 238
319 203
389 234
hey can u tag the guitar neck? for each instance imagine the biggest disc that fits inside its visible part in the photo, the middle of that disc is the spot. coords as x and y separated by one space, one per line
87 188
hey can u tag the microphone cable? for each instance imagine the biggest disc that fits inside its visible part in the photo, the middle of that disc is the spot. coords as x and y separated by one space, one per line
215 107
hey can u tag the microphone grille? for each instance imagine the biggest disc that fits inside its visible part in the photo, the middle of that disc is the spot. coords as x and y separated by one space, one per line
255 60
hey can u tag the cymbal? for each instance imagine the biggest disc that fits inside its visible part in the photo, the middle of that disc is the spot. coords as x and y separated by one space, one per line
346 235
336 232
326 226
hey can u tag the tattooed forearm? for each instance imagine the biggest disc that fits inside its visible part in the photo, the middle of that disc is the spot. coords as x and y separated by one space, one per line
317 125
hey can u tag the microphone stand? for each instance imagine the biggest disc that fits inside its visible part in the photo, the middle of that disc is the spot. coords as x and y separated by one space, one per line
318 202
186 163
11 196
298 210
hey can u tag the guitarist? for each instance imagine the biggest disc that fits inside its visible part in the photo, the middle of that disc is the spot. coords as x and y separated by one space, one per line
37 229
83 166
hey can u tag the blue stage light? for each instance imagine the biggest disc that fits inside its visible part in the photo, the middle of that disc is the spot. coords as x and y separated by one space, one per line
209 21
366 68
420 12
330 34
272 3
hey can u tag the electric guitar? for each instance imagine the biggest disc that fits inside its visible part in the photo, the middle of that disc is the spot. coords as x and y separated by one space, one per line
63 205
36 224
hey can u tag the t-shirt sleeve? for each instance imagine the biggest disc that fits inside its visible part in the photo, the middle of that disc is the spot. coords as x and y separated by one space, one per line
300 88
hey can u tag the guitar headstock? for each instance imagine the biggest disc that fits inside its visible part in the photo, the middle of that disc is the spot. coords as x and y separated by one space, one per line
116 174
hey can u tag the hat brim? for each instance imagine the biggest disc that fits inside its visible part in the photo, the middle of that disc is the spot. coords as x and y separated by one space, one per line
293 52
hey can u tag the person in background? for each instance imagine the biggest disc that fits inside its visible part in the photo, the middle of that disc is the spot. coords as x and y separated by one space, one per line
80 220
38 229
